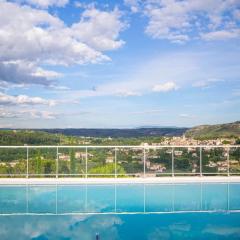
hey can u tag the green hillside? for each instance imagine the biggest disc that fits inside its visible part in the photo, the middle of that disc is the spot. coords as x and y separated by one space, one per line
226 130
21 137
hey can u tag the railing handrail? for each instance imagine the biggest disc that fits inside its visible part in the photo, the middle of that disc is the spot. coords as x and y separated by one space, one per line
120 146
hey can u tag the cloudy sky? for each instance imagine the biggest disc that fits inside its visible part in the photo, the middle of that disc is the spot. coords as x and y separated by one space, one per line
126 63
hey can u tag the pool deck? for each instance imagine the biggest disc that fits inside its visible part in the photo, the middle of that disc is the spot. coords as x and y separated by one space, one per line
149 180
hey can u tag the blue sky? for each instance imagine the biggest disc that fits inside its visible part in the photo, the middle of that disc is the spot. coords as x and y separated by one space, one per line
119 63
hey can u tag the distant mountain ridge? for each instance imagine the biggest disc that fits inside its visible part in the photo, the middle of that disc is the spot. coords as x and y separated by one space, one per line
199 132
114 132
215 131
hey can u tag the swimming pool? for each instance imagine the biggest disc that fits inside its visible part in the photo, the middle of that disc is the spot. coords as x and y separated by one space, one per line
121 211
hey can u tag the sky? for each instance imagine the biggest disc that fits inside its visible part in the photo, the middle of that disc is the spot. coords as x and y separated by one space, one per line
119 64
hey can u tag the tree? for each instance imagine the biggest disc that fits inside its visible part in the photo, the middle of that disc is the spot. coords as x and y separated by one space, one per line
38 163
72 162
107 169
182 164
48 167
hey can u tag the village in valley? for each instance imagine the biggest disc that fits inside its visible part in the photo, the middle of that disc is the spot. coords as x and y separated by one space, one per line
162 156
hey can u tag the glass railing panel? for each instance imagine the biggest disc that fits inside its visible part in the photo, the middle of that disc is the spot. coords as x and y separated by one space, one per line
186 161
214 161
42 162
101 162
13 162
158 162
234 160
71 162
130 162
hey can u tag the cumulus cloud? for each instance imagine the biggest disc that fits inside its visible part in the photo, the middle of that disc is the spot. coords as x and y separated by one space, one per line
27 114
25 73
33 35
34 114
221 35
133 4
47 3
165 87
36 37
4 113
24 100
179 21
99 29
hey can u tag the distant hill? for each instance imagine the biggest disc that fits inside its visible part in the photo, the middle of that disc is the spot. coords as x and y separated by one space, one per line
51 136
214 131
137 132
21 137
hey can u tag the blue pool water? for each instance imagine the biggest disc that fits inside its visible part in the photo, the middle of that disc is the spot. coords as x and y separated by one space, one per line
133 211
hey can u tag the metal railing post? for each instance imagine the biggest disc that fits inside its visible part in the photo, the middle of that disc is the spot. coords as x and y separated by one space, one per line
228 163
27 164
115 163
173 162
86 163
200 161
144 162
57 164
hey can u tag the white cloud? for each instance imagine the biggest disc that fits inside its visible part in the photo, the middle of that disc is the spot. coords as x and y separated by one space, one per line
24 100
39 72
165 87
5 125
33 35
133 4
99 29
179 21
27 114
207 82
4 113
34 114
36 37
47 3
221 35
20 72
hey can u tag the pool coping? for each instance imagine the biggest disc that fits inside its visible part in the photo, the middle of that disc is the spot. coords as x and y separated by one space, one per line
50 181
